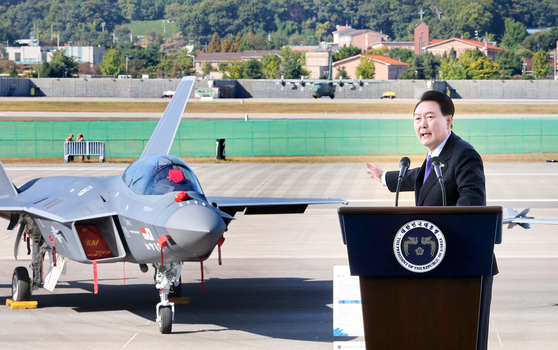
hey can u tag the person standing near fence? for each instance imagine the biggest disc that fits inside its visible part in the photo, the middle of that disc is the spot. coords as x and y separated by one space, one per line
69 139
79 139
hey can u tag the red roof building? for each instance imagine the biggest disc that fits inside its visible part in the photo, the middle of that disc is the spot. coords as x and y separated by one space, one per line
438 47
385 68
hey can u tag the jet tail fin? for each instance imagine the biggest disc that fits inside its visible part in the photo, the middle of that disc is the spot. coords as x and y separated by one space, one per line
163 136
7 188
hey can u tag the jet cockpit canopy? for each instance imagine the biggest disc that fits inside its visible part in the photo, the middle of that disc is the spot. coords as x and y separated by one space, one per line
157 175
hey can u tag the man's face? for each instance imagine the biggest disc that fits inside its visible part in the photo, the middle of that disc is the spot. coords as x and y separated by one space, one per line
431 126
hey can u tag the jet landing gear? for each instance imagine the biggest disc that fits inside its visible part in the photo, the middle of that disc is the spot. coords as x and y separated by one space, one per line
22 285
165 276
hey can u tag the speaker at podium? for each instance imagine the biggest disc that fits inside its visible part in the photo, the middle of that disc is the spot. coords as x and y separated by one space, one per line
421 272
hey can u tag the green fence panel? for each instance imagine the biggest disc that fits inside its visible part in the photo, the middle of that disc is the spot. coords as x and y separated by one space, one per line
278 137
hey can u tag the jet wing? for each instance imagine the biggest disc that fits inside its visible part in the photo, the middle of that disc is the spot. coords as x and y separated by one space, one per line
163 136
267 205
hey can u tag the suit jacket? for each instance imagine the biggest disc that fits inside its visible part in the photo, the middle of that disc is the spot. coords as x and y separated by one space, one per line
463 174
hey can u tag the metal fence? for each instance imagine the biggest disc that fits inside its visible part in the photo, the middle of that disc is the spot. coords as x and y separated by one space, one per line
279 137
84 148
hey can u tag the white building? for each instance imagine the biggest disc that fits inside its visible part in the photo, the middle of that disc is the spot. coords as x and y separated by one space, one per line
40 54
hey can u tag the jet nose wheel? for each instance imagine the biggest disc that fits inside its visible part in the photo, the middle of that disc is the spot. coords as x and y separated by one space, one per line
165 320
21 287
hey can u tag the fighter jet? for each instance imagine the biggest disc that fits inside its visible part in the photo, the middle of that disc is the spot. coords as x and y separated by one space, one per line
155 212
523 220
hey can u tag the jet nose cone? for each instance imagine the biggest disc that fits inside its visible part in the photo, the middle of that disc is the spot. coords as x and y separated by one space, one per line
195 228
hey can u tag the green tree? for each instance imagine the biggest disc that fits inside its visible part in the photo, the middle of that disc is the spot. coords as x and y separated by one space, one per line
403 55
45 70
214 44
172 44
237 42
345 52
292 69
291 64
509 62
13 73
540 66
234 70
253 69
452 70
206 68
515 33
227 45
462 68
270 65
452 54
246 43
342 73
484 68
366 68
62 65
112 62
430 65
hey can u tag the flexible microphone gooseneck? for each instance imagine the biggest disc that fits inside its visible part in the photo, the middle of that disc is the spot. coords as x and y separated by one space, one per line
404 164
437 165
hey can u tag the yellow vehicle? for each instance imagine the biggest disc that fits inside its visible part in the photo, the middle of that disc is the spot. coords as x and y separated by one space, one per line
388 94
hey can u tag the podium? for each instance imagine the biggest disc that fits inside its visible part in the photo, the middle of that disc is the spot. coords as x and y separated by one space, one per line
421 271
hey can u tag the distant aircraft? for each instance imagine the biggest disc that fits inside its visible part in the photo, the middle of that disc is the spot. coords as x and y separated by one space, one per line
523 220
320 88
154 213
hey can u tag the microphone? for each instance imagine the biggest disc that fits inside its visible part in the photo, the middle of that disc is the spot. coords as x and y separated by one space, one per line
437 165
404 164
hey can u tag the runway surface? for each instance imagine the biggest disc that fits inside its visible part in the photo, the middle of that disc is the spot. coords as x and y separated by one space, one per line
274 290
135 116
323 100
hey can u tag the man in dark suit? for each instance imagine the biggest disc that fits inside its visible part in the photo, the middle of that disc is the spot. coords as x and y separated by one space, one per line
462 166
462 170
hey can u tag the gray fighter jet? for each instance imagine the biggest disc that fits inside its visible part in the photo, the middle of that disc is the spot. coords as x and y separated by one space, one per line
154 213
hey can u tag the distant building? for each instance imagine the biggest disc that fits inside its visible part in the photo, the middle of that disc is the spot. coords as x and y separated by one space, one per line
317 62
39 54
438 47
409 45
214 58
422 37
361 38
385 68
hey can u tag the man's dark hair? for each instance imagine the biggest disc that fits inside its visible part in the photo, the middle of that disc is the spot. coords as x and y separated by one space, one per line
443 100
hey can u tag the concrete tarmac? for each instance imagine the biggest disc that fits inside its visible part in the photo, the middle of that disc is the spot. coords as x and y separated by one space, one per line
135 116
323 100
274 289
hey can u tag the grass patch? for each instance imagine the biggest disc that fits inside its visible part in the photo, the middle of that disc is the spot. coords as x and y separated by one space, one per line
140 27
302 108
374 158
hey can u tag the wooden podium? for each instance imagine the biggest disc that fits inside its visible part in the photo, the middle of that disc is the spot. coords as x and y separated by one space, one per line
421 271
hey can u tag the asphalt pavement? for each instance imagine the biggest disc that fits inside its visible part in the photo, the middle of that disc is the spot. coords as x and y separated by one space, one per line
274 289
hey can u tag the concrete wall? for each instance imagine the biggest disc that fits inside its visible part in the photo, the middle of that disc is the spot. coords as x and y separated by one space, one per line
149 88
54 87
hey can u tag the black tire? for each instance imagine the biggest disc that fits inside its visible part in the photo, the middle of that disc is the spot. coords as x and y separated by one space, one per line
165 323
21 290
332 96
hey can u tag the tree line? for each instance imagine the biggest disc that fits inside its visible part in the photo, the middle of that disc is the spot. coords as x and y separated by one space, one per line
235 26
281 22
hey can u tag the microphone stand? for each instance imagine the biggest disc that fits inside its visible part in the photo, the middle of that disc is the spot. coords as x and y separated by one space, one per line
437 165
404 165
